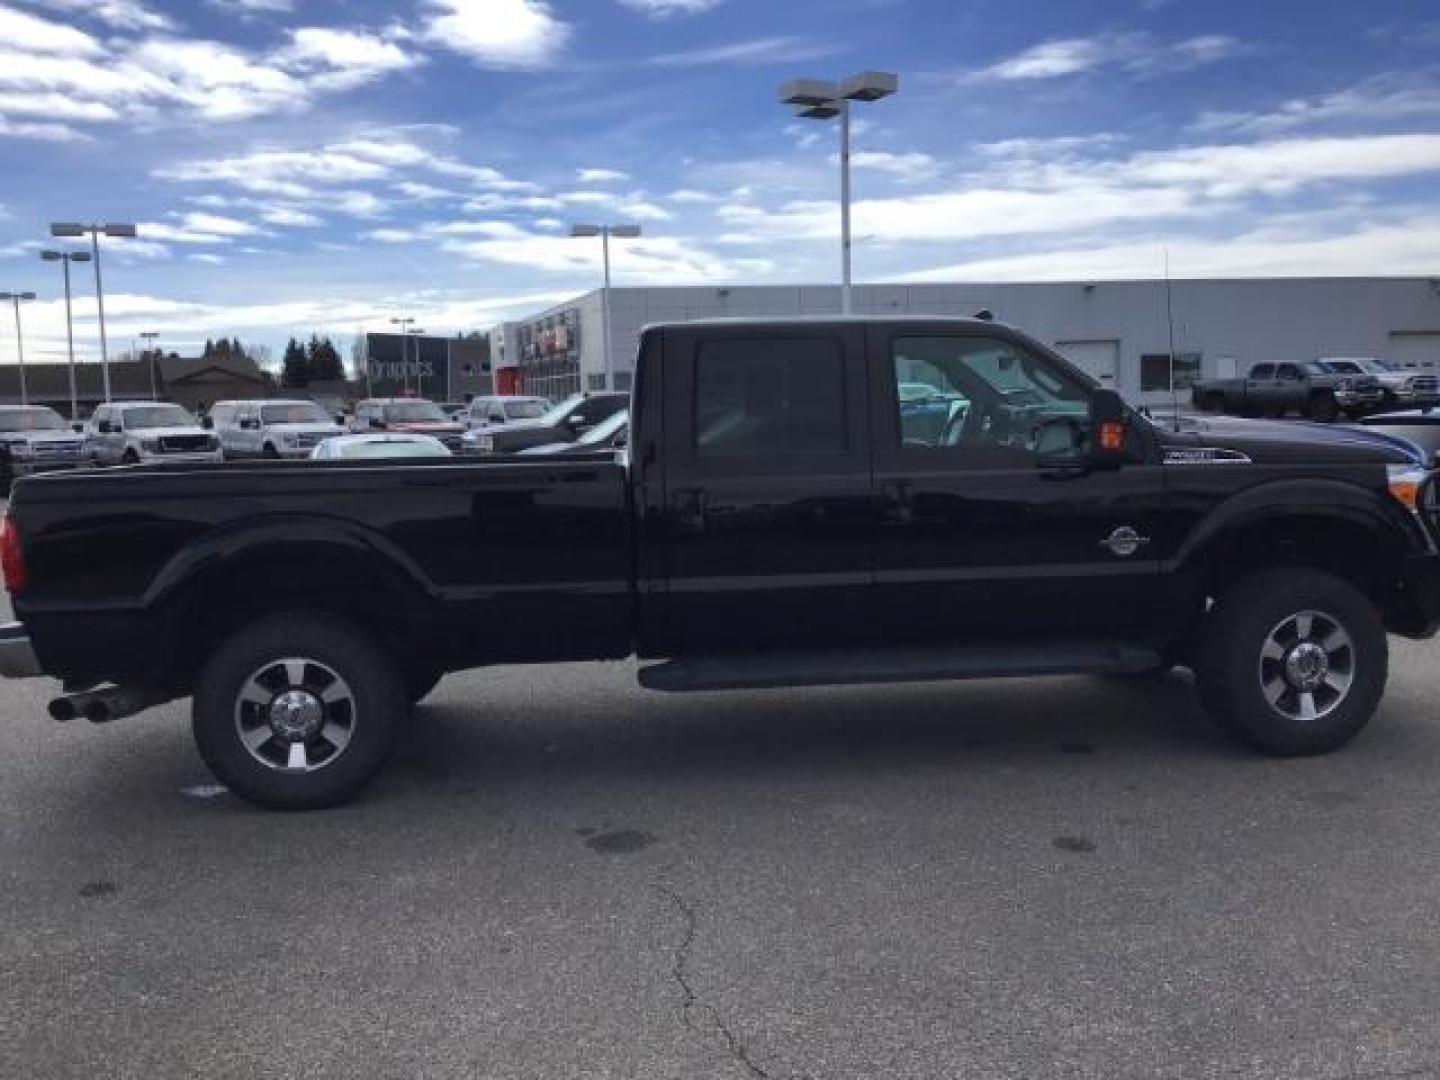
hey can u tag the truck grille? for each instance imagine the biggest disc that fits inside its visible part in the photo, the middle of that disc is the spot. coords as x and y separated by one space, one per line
184 444
1425 384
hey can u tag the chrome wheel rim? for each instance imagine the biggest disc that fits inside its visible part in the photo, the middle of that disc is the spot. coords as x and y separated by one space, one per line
1307 665
295 715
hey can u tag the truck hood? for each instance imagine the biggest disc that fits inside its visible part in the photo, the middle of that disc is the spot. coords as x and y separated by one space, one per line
429 427
312 428
165 432
1285 442
37 438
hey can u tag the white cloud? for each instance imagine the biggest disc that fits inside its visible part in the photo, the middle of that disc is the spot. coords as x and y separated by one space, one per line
202 257
913 166
360 204
42 132
1138 53
54 107
685 195
417 190
392 236
216 81
662 9
253 7
601 176
121 14
290 173
197 228
343 58
32 34
497 33
768 50
289 217
1389 96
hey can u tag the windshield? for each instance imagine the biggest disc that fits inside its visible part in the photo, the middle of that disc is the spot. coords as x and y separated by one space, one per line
30 420
525 408
604 432
157 416
414 412
297 412
562 410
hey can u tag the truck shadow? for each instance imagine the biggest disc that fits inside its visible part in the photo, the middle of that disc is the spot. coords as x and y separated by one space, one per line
630 737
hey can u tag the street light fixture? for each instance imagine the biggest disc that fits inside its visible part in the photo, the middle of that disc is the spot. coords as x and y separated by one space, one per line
16 298
816 99
113 229
65 258
605 232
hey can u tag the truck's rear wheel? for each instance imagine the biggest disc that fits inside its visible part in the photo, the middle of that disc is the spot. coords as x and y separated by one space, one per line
1322 408
1212 403
297 712
1292 661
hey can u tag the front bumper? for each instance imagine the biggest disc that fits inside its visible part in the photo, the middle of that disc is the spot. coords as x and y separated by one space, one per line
1359 399
1416 612
17 655
199 457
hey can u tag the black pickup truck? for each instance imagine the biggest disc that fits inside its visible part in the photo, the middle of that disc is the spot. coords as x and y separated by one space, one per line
779 518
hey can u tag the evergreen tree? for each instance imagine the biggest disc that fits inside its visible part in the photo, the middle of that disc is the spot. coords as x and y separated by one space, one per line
325 362
296 365
209 349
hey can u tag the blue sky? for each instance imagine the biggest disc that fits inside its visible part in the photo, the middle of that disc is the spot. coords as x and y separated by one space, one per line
323 164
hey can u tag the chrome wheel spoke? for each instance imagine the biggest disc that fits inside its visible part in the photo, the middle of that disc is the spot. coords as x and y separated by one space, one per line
1307 706
295 714
1338 681
297 758
1306 665
295 672
337 735
335 693
1273 650
1334 641
257 737
252 693
1275 689
1304 624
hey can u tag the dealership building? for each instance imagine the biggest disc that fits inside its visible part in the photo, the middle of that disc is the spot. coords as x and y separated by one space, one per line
1119 331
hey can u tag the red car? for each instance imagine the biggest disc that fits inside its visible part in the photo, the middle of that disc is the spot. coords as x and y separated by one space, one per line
410 415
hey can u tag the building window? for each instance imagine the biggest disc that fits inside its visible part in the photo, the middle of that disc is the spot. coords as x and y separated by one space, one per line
623 381
769 396
595 382
1155 372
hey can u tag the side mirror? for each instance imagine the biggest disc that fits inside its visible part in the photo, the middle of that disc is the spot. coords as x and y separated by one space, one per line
77 428
622 440
1109 429
340 418
207 423
377 423
103 427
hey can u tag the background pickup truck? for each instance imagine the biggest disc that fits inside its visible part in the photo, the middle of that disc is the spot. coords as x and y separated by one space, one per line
780 517
1277 389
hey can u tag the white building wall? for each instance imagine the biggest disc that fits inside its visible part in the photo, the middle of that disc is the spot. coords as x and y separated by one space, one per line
1232 324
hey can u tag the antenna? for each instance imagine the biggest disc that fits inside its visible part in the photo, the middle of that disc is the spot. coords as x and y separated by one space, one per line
1170 320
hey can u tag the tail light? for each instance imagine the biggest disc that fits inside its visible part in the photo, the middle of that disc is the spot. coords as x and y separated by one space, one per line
12 559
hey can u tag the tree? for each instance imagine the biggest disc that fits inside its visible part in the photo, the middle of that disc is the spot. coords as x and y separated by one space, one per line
296 371
325 362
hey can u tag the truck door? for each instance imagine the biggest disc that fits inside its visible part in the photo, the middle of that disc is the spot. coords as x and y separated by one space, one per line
1261 389
992 526
767 515
1289 388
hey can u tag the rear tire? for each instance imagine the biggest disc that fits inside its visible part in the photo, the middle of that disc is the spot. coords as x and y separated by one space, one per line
129 457
297 712
1292 661
1323 409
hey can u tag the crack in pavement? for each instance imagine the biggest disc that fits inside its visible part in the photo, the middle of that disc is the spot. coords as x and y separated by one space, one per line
689 1001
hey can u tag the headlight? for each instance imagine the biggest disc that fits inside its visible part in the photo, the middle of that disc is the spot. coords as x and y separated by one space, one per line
1408 484
289 438
150 446
20 448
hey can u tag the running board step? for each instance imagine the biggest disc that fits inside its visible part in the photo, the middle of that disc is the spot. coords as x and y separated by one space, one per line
774 671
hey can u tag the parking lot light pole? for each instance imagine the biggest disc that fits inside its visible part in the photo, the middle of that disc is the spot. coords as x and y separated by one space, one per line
404 322
114 229
818 99
16 298
150 336
415 333
65 258
605 232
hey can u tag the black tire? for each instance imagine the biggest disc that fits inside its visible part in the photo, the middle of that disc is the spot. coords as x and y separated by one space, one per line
270 453
1232 672
129 457
367 716
1213 403
1322 408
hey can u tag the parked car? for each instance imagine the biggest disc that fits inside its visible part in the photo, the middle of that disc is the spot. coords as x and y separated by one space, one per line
769 528
601 440
356 447
487 412
1278 389
139 432
412 416
34 438
1419 426
1398 388
454 410
270 429
565 422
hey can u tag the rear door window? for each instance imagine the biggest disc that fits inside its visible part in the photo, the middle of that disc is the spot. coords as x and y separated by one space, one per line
767 397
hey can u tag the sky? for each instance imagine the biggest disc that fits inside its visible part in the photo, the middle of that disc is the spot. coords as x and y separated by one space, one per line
325 165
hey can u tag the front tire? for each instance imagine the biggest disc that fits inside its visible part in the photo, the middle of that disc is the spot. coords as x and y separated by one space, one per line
1292 661
1323 409
297 712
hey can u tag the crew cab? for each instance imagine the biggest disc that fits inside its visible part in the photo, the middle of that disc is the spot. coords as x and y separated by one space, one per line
1397 388
270 428
1277 389
34 438
565 422
141 432
485 412
777 519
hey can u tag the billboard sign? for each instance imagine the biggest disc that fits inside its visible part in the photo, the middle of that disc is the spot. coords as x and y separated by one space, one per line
397 365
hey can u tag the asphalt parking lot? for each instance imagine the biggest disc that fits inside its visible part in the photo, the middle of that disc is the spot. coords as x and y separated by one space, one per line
562 876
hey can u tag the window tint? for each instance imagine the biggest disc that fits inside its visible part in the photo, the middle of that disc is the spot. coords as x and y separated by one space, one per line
1287 371
768 396
973 393
1262 371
